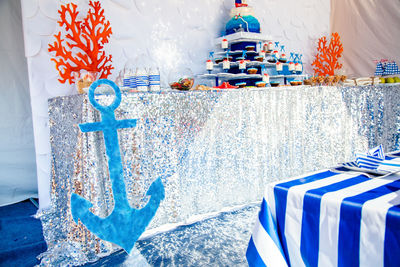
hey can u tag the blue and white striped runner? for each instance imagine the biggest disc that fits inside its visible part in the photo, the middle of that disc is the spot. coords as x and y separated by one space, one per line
331 219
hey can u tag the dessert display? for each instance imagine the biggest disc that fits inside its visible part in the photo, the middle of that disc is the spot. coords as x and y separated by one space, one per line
182 84
247 54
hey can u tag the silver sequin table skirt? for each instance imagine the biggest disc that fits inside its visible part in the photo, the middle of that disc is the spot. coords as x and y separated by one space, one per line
213 149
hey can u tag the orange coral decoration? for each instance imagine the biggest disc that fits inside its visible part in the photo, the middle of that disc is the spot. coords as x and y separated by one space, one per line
326 61
84 42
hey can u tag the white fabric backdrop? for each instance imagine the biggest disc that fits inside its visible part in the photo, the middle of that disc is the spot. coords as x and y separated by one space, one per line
172 34
17 153
369 30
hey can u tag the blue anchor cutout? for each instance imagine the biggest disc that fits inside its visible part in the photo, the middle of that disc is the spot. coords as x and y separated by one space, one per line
125 224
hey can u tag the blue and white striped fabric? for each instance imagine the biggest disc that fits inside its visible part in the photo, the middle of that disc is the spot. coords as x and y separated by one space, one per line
379 69
367 161
337 219
264 247
377 152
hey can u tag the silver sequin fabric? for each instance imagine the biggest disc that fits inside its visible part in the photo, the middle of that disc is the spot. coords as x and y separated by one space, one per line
212 150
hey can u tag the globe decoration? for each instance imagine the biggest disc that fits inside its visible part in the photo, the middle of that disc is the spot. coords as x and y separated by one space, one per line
242 24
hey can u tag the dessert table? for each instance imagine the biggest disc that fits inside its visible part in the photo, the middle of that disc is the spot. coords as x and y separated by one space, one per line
212 150
330 218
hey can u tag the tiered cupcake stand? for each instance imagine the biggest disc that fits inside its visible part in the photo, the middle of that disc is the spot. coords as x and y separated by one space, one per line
231 47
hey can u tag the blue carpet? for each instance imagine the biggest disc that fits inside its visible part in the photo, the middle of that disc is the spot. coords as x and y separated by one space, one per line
21 235
218 241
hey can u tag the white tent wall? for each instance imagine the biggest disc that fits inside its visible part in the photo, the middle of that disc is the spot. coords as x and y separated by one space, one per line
171 34
369 30
17 152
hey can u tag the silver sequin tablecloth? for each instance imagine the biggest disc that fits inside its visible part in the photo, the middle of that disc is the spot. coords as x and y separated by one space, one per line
213 150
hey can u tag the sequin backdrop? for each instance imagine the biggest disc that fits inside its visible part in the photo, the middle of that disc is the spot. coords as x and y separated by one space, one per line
213 150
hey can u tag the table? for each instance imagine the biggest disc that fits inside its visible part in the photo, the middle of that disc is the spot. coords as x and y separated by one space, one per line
328 218
212 149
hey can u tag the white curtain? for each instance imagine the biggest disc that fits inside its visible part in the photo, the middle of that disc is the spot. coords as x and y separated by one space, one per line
369 30
17 154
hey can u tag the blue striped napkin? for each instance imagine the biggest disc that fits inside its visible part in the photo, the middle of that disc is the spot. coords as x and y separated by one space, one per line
375 159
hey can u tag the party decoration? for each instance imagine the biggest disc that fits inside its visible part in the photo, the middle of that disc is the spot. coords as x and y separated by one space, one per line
125 224
82 46
326 60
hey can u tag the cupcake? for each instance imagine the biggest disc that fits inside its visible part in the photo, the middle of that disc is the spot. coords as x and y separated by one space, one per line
259 58
250 48
261 84
261 53
252 70
283 58
241 84
293 83
274 83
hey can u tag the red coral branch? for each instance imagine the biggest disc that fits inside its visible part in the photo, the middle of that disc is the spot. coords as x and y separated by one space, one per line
326 60
83 44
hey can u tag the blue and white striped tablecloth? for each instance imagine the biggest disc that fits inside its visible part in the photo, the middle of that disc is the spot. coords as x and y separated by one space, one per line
329 219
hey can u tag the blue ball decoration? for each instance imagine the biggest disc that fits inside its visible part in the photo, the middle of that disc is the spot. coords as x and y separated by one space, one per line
236 23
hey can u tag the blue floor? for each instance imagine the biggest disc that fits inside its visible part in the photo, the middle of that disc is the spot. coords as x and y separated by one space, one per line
21 237
219 241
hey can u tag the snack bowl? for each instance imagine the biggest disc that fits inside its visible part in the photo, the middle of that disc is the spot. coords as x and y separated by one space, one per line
182 84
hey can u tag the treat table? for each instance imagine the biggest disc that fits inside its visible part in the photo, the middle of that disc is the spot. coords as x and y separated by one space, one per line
212 150
328 218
